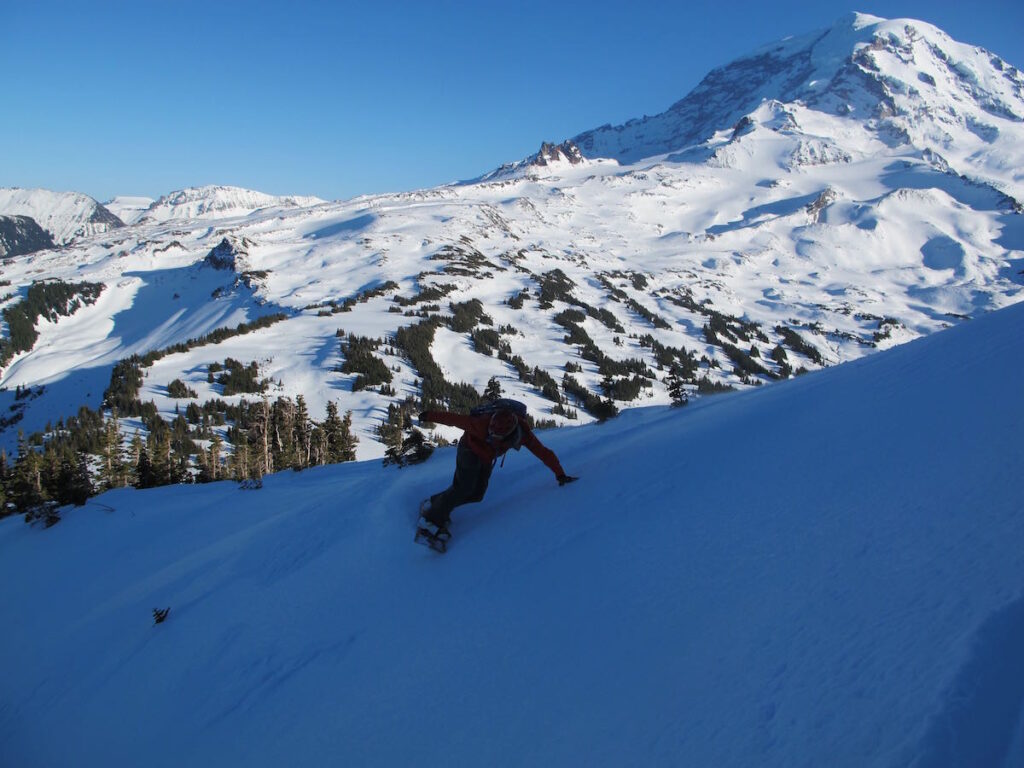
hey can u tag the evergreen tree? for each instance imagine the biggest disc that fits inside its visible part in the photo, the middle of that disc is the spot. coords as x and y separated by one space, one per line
332 431
261 431
493 390
135 450
26 488
283 433
158 448
216 445
240 462
74 480
676 389
341 443
145 472
302 434
348 441
317 446
391 430
113 473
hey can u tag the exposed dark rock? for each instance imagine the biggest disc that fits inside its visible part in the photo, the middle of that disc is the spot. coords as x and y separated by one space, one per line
553 153
225 254
21 234
102 215
823 201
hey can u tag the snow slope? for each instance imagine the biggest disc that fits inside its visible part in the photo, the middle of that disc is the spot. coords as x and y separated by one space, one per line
65 215
826 571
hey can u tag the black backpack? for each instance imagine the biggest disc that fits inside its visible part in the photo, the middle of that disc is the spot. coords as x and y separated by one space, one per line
501 404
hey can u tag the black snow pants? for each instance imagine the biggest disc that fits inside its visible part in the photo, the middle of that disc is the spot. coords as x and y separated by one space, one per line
469 485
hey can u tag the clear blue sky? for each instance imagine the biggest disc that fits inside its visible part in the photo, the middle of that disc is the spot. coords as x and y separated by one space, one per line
337 99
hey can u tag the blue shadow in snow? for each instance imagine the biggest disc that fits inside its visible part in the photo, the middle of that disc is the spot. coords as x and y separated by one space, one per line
758 214
349 225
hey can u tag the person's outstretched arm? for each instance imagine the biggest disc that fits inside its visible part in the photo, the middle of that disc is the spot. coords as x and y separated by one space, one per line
545 454
459 420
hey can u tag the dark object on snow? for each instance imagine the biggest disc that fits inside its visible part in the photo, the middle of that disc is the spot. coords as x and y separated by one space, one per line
430 535
501 404
159 614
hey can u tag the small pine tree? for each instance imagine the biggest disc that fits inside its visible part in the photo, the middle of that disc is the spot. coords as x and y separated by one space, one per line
145 472
676 388
302 429
26 488
493 390
348 441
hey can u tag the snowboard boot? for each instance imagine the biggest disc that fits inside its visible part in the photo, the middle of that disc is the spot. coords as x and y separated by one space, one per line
437 529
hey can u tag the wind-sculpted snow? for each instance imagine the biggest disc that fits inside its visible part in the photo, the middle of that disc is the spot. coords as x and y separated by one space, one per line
822 572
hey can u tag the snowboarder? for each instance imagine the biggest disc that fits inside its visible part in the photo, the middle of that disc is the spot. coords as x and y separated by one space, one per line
486 437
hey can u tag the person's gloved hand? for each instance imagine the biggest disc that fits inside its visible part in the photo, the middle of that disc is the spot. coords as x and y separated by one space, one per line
566 479
423 417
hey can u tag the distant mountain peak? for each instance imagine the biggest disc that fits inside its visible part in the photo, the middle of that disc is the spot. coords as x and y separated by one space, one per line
214 202
66 216
904 81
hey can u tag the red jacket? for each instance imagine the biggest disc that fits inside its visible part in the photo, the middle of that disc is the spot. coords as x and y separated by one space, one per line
476 439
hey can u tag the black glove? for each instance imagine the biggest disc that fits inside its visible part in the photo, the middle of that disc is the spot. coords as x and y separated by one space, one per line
423 417
566 479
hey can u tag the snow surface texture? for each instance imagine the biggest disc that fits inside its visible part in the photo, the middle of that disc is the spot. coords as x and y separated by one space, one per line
826 571
862 188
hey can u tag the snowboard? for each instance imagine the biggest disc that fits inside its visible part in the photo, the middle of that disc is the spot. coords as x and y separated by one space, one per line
437 542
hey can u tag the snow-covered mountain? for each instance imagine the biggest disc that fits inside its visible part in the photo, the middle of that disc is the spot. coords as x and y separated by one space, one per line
899 82
67 216
216 202
822 572
128 208
828 196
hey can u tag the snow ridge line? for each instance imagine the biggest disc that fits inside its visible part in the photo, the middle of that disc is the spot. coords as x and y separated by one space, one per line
982 721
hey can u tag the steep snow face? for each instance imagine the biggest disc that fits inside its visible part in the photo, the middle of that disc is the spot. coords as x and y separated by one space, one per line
906 80
214 202
65 215
823 572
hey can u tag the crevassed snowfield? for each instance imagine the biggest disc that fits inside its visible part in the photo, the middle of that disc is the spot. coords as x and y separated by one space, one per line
827 571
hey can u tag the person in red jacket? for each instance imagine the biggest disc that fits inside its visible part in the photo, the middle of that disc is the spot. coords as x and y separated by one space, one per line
485 438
